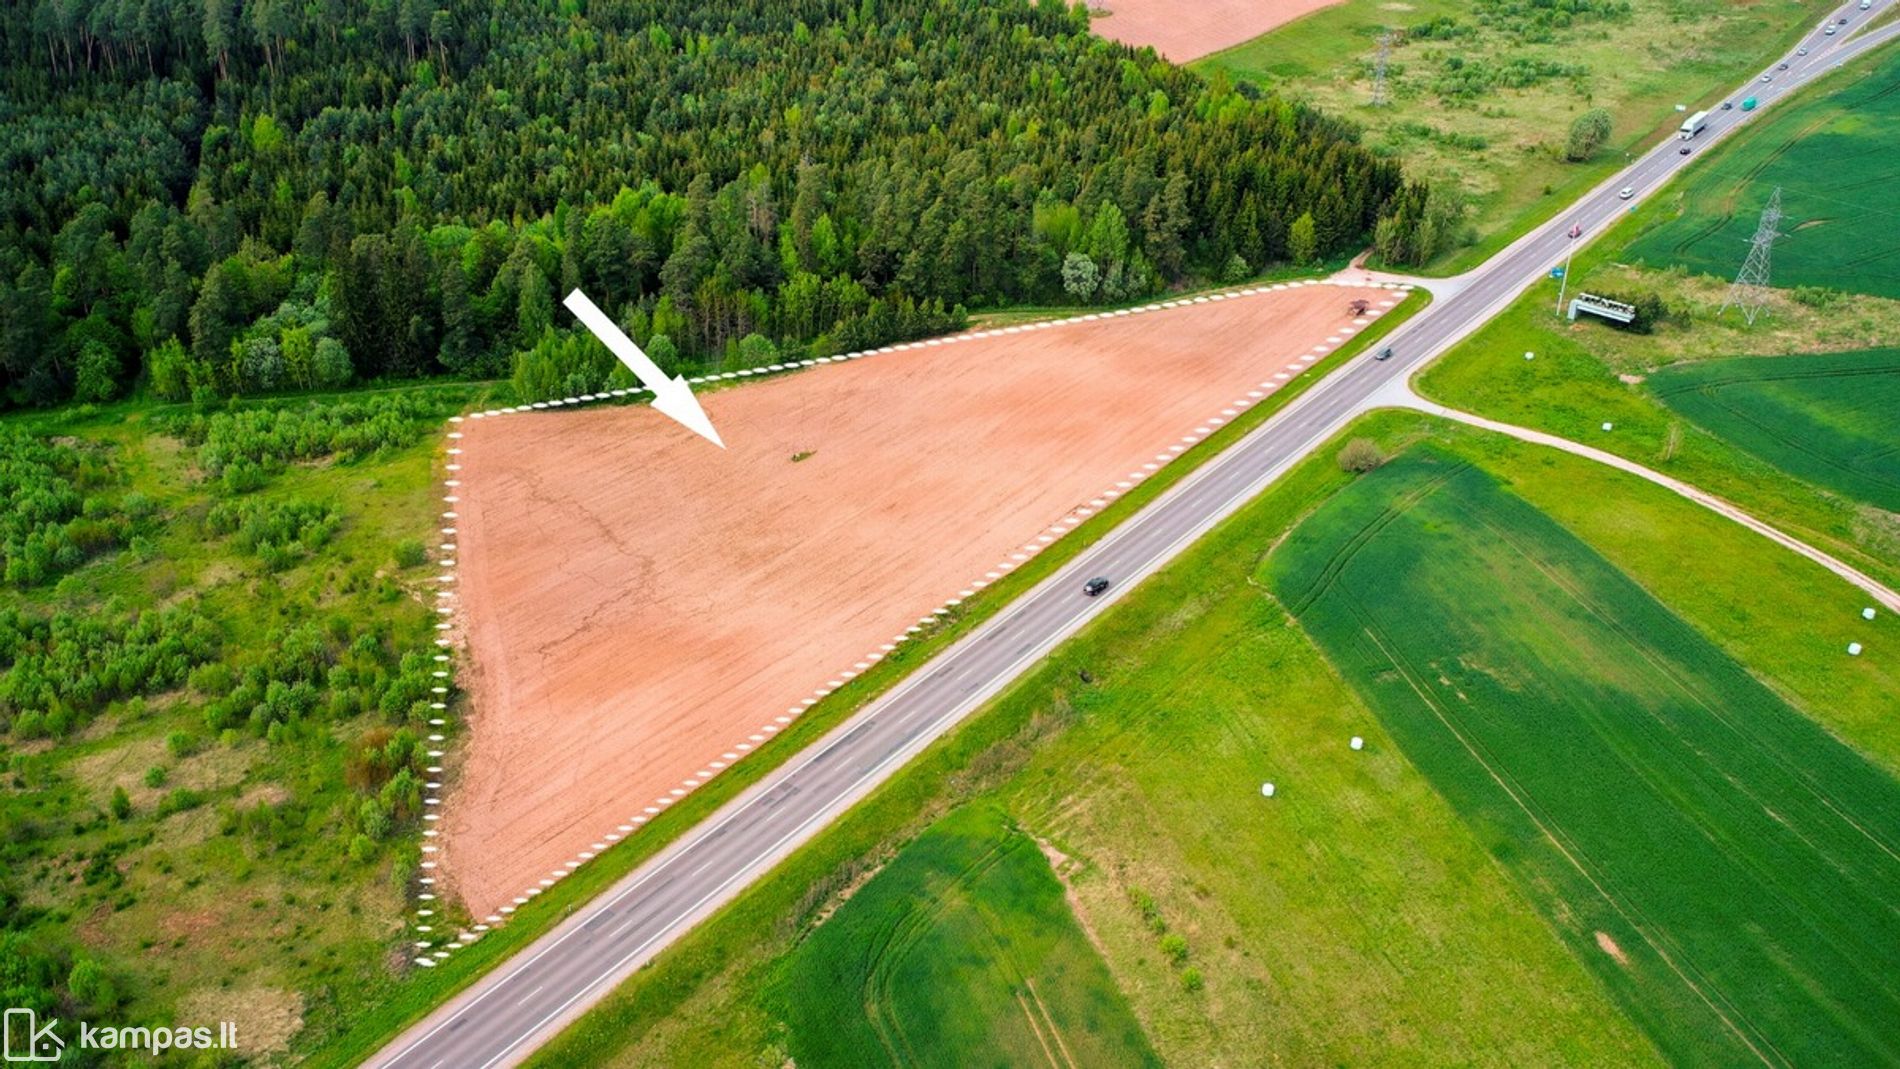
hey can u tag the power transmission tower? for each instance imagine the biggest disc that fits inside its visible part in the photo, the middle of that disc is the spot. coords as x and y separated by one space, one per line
1378 68
1749 292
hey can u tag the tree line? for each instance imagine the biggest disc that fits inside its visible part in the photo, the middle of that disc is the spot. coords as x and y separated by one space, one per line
217 197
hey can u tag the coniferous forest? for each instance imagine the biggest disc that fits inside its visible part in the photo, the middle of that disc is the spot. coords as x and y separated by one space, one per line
206 198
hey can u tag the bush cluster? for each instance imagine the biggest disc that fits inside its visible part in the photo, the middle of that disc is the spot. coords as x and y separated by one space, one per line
55 510
243 447
280 533
63 668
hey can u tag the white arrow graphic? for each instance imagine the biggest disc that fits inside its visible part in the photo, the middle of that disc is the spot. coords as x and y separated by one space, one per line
671 396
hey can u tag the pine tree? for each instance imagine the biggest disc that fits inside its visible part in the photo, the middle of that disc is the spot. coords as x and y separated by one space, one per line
459 343
216 316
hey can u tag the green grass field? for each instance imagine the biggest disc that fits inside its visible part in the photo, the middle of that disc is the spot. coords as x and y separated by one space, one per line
960 953
1723 864
1353 920
1502 145
1827 419
1835 154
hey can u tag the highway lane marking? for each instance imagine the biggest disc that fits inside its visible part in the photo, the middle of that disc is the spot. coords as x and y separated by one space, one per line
524 999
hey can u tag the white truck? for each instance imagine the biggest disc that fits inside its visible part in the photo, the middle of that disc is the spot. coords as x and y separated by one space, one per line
1694 124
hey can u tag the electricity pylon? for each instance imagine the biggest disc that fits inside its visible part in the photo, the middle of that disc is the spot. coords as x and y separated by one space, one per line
1749 291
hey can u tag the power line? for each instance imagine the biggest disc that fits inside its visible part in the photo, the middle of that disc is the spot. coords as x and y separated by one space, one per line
1749 291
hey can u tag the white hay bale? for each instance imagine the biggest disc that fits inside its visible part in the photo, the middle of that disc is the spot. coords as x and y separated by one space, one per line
1266 790
1853 649
1867 613
1608 426
1358 743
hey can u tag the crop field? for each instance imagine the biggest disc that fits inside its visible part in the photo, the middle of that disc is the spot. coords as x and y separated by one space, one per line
1183 32
961 952
1836 158
1828 419
1481 96
1722 863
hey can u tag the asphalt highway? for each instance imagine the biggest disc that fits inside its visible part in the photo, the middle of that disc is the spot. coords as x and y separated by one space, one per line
503 1017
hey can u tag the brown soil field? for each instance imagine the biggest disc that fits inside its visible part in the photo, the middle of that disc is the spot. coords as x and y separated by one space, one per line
1187 31
641 608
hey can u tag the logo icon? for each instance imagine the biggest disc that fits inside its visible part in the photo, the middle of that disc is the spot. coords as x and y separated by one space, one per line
26 1040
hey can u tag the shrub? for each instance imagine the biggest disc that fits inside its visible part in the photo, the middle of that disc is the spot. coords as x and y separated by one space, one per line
373 818
166 367
97 376
331 364
89 984
1302 240
1651 309
1821 297
212 680
1175 947
1588 134
280 533
1361 455
121 803
1191 980
53 516
155 776
263 440
756 350
181 744
179 800
411 552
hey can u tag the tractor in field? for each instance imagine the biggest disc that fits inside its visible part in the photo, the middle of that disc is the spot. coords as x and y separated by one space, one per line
1358 306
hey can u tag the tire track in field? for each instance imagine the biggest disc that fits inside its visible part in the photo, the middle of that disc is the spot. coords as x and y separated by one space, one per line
1573 854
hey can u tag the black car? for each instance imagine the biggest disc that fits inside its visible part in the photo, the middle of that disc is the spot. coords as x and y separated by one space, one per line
1095 586
1727 104
1683 151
